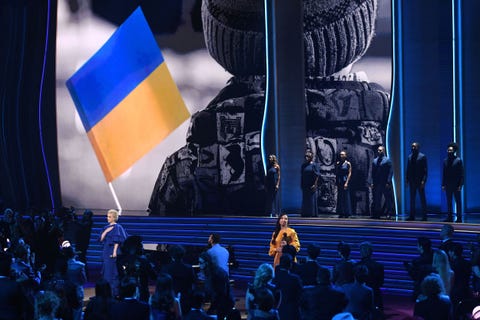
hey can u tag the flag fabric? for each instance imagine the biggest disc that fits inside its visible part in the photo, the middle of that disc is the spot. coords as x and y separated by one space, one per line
126 97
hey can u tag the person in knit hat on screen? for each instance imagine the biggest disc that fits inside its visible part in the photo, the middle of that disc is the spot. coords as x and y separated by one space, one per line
219 170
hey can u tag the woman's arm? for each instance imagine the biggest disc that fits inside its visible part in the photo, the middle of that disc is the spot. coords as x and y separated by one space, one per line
277 186
273 247
349 174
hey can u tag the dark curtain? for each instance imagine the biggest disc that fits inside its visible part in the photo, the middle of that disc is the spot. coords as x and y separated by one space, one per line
29 176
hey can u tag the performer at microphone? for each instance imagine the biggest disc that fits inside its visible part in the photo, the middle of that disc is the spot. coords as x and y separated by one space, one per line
282 236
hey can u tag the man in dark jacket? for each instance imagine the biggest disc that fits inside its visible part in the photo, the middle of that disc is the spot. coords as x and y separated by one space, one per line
382 173
416 178
452 181
322 301
375 275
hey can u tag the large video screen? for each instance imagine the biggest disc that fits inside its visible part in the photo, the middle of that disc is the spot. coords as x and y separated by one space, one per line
187 172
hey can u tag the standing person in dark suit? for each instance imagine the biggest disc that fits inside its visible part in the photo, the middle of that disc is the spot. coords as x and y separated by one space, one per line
322 301
452 181
446 234
310 172
382 173
129 307
343 269
359 295
308 270
290 286
420 267
416 177
343 174
375 277
183 276
272 184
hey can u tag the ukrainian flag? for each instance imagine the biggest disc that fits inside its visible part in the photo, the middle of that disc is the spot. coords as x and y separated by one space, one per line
126 97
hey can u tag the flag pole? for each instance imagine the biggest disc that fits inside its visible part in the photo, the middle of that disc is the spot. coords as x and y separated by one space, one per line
110 185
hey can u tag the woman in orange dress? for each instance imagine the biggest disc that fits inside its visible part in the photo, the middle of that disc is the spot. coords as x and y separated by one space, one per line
282 236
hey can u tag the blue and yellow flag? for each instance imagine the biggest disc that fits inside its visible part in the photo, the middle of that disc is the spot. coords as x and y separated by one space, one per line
126 97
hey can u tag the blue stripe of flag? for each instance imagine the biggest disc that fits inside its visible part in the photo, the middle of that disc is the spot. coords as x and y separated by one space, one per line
123 62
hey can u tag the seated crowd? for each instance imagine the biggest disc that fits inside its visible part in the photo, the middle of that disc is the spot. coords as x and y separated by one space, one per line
53 287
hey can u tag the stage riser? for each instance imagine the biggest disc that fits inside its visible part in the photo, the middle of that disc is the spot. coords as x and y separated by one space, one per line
393 242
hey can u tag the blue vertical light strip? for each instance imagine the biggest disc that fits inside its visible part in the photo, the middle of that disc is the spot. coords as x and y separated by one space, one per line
40 100
458 80
454 72
397 76
267 83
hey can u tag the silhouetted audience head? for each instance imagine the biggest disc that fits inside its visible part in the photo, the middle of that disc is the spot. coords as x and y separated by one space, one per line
456 250
323 276
46 305
176 252
286 261
103 289
128 287
289 249
366 249
68 252
313 251
263 275
432 286
198 299
133 245
264 299
424 244
344 249
163 297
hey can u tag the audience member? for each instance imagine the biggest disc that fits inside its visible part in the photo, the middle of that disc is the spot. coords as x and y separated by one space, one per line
218 253
263 279
420 267
375 277
461 292
446 234
308 270
11 297
129 307
322 301
217 287
441 265
163 303
83 237
75 274
436 305
475 254
360 297
265 306
343 269
183 276
99 307
46 305
133 263
196 312
290 286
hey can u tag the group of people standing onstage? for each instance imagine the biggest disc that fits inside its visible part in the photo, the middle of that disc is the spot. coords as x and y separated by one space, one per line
380 182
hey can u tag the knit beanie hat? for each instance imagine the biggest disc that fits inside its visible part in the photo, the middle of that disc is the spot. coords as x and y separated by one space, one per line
336 33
